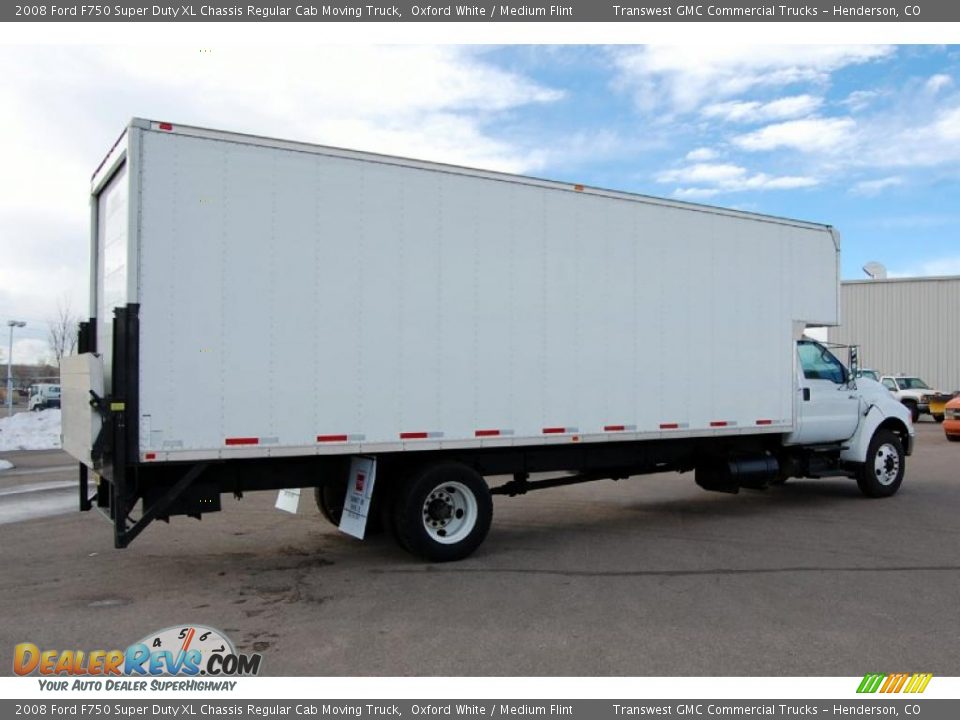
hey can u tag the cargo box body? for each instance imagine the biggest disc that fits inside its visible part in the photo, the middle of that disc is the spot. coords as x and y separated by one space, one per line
303 300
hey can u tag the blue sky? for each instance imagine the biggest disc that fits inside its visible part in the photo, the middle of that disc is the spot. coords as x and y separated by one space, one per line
864 137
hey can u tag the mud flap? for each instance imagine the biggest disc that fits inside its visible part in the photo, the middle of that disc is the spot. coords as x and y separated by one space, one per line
288 500
356 506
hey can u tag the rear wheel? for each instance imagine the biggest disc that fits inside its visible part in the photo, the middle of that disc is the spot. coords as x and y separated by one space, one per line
443 512
330 498
882 473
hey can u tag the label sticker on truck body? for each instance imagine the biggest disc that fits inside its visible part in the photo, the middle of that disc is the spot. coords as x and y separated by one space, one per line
356 505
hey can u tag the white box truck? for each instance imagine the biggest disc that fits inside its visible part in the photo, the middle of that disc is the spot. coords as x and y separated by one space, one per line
268 314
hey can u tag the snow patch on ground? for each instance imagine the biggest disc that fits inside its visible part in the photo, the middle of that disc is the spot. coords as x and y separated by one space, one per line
31 431
5 465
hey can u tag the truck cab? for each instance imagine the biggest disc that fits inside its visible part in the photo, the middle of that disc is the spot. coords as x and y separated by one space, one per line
855 422
44 396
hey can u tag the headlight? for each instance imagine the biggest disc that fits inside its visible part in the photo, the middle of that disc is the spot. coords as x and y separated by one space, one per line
925 398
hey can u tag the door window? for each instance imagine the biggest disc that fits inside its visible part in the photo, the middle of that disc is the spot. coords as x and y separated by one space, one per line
818 363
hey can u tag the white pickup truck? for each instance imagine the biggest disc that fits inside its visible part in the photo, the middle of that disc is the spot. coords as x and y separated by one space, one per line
918 397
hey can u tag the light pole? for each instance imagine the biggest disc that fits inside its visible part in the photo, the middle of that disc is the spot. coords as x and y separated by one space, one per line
11 324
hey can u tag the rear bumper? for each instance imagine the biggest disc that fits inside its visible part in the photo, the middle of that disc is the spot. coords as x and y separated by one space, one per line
936 404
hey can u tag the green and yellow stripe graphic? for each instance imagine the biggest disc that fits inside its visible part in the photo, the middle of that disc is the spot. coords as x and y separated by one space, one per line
894 683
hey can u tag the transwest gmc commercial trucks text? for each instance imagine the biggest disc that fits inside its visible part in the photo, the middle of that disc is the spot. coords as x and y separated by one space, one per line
269 314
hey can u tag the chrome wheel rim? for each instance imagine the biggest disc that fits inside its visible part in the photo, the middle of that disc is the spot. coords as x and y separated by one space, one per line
449 513
886 464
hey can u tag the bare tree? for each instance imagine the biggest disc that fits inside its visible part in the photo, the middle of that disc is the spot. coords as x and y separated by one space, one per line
63 331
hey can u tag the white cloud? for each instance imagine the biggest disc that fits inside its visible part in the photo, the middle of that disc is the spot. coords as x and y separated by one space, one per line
947 126
695 193
708 179
860 99
65 106
31 351
869 188
424 101
808 135
902 142
701 154
782 182
754 111
683 78
938 82
703 172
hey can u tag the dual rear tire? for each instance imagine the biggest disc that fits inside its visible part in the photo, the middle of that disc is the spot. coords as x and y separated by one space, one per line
440 512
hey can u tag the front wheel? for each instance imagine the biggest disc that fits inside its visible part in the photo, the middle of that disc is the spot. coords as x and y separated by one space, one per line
882 473
443 513
938 418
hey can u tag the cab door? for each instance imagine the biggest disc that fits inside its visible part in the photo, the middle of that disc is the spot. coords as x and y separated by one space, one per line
828 409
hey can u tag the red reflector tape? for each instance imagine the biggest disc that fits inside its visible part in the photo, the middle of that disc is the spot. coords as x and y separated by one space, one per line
332 438
165 126
486 433
414 435
718 423
669 426
614 428
242 441
150 456
764 422
554 431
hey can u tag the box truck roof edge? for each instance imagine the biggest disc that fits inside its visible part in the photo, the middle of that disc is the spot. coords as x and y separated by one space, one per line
115 156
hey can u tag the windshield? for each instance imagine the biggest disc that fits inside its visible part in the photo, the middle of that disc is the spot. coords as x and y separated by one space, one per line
872 374
912 383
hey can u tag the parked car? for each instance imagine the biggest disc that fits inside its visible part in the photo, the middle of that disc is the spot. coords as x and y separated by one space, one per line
871 374
919 397
951 420
44 396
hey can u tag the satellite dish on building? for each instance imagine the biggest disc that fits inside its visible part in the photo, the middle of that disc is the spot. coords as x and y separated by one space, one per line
875 270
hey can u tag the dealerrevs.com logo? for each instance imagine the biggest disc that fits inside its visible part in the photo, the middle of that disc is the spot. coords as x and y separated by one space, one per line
182 650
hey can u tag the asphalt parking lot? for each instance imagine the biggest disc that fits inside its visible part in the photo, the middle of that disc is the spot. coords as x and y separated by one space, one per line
649 576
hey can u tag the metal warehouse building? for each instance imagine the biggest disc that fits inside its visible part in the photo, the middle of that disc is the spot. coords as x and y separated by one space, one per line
904 325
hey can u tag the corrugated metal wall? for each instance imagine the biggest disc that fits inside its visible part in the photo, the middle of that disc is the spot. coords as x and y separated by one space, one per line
909 326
